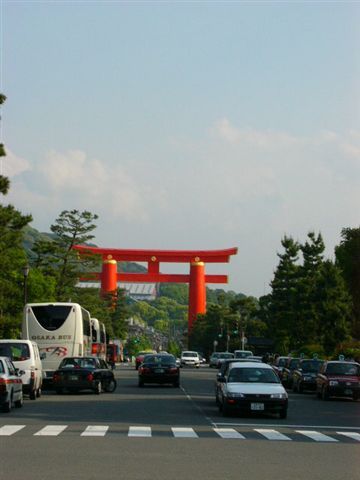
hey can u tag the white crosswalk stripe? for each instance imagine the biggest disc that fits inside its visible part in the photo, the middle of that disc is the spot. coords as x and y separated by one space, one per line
8 430
51 430
139 432
271 434
228 433
353 435
180 432
95 431
317 436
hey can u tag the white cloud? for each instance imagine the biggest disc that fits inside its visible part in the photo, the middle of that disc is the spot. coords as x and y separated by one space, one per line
13 165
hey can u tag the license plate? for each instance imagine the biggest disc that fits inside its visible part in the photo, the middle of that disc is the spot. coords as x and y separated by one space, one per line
348 392
73 377
159 370
257 406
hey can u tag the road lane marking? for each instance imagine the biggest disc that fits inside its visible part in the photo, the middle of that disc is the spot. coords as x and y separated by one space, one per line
228 433
353 435
325 427
8 430
51 430
181 432
95 431
139 432
317 436
271 434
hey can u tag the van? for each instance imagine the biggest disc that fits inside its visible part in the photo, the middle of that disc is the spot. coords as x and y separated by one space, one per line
26 357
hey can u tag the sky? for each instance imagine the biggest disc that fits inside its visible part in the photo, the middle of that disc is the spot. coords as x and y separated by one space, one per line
186 125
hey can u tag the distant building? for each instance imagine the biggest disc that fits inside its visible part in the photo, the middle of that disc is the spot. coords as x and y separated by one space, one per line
137 291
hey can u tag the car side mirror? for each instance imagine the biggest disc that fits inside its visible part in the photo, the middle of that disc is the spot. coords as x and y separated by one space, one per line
20 372
42 356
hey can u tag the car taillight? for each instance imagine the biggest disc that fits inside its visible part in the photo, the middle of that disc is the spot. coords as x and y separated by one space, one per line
2 385
89 377
56 377
145 370
32 374
173 370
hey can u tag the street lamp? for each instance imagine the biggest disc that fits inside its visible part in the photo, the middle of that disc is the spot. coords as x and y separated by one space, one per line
26 270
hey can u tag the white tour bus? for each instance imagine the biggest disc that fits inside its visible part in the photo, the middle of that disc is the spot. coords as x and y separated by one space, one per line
98 338
60 330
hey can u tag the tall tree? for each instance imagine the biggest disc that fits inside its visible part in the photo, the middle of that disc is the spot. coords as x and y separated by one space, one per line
283 302
348 259
58 258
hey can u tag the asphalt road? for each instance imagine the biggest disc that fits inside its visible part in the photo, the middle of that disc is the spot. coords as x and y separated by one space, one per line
160 432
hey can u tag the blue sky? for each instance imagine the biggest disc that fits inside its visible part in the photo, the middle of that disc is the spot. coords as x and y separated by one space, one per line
186 124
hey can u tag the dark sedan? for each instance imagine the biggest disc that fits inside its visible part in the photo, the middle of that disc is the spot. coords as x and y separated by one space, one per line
287 374
159 369
84 373
304 377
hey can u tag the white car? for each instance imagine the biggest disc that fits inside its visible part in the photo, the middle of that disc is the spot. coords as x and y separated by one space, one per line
10 385
189 359
251 387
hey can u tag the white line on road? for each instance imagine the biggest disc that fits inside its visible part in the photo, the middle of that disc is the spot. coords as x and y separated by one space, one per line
278 425
51 430
228 433
181 432
271 434
317 436
95 431
8 430
139 432
353 435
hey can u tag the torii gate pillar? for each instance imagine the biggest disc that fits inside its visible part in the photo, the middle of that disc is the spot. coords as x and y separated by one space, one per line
197 292
109 277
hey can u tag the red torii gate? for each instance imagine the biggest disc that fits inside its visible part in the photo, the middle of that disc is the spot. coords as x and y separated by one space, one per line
197 279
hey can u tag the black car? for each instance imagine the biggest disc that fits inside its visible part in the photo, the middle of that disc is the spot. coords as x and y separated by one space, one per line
287 373
84 373
304 377
159 368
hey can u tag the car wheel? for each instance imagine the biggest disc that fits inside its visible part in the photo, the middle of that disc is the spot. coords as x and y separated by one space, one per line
141 383
294 387
7 405
176 384
38 392
283 413
59 391
110 386
98 388
32 395
225 410
318 393
356 397
300 388
19 403
324 394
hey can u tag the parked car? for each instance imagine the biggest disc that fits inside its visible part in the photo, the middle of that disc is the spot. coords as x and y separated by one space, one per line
84 373
26 357
304 377
11 392
287 372
217 358
338 379
252 387
140 357
159 368
189 359
279 364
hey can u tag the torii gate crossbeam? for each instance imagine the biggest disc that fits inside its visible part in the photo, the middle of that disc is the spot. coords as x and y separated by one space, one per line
197 279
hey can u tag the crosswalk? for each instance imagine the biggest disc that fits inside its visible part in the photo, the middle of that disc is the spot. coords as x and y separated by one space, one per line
146 431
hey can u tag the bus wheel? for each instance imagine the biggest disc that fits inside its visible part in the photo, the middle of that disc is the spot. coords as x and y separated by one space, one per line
110 386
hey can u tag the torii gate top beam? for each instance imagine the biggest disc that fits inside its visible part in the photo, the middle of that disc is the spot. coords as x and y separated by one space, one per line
164 256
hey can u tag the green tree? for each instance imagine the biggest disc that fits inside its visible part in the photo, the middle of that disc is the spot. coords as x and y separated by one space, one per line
57 258
283 302
348 259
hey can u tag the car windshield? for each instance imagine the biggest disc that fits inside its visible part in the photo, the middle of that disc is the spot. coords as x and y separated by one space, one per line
294 363
160 359
282 362
226 355
78 363
189 354
343 369
243 354
253 375
311 366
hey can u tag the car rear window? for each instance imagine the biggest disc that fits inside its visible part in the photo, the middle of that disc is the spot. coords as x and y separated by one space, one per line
343 369
160 360
2 370
311 366
17 352
190 354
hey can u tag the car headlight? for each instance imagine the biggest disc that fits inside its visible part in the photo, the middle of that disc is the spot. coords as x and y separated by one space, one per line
278 395
333 383
235 395
307 379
